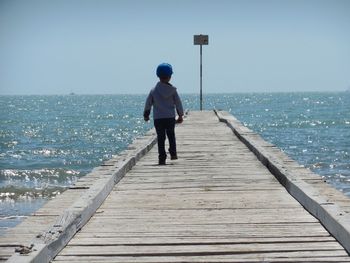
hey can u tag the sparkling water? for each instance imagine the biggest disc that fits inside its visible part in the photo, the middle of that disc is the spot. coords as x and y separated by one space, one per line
48 142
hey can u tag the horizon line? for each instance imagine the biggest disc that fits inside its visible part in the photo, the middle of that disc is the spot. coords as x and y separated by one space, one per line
184 93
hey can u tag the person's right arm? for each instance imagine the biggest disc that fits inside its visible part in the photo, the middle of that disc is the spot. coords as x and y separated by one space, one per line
148 106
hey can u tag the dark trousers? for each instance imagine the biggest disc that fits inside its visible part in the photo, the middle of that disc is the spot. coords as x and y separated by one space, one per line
165 127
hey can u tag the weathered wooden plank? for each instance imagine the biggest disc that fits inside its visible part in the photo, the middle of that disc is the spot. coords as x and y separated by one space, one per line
183 240
222 259
240 216
200 250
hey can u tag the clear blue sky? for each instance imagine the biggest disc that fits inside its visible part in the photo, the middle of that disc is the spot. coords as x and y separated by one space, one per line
98 47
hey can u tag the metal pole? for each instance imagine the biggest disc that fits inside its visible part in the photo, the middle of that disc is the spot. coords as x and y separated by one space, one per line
201 97
200 40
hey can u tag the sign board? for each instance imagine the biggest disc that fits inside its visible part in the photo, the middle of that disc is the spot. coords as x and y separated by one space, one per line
200 40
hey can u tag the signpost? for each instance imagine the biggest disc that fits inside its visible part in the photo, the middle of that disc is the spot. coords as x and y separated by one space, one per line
200 40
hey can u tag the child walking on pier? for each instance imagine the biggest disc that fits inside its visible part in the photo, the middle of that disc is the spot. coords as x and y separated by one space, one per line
164 99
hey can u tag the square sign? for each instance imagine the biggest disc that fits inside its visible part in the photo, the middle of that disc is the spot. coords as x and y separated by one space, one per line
200 40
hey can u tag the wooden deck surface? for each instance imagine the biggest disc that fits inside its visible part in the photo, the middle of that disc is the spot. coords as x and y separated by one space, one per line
217 203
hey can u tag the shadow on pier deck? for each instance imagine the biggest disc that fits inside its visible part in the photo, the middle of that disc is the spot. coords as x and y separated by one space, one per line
217 203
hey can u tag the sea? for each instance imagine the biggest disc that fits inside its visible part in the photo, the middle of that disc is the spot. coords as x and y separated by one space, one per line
49 142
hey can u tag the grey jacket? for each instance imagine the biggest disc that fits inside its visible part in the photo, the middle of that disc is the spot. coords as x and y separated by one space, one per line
164 99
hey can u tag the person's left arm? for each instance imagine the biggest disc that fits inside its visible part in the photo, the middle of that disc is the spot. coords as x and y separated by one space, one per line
179 108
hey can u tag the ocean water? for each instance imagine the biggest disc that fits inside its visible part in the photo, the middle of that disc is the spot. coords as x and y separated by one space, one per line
48 142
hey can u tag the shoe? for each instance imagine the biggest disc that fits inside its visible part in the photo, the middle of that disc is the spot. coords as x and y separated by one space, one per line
172 157
161 162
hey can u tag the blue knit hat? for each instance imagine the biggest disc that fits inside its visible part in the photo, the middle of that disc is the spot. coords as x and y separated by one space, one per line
164 70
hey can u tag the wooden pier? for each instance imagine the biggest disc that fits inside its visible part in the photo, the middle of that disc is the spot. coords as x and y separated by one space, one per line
230 197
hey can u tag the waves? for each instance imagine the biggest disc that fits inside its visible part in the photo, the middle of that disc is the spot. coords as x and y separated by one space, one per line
48 142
